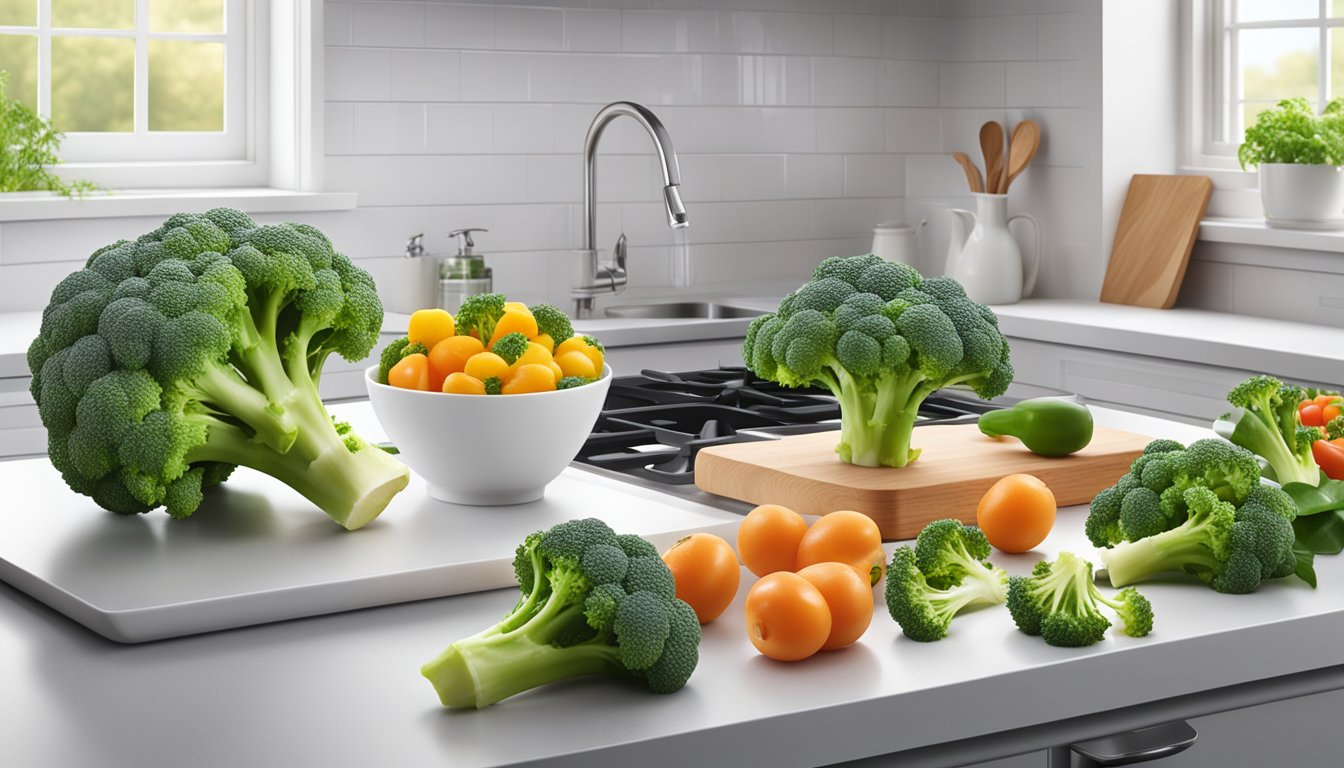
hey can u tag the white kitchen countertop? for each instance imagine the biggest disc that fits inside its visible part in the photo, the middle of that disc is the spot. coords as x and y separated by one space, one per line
345 689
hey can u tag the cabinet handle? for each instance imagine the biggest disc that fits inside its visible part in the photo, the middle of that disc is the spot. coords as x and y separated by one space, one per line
1139 746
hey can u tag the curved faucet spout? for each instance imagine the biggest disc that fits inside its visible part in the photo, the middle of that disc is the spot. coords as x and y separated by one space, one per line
667 159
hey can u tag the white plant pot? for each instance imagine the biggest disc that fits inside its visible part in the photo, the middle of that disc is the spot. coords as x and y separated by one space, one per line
1299 196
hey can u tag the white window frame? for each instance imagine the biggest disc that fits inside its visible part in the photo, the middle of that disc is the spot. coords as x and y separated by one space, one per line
1208 80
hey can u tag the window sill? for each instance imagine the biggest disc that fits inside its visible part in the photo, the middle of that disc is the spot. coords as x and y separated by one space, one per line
1278 248
44 206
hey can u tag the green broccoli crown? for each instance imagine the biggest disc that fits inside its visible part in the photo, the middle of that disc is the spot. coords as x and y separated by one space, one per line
1335 429
510 346
592 602
570 382
493 385
1265 422
1231 548
553 322
478 315
1057 603
168 360
944 574
881 338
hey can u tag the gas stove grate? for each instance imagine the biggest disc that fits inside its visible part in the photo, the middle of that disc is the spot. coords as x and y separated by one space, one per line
654 424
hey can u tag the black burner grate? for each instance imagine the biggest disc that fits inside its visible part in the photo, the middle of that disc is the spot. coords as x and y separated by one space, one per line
654 424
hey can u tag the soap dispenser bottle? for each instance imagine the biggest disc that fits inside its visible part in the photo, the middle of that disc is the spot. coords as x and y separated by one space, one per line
465 274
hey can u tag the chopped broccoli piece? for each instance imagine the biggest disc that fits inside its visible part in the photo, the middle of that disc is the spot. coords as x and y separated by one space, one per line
1265 422
478 315
510 346
881 338
493 385
1335 429
584 610
167 361
570 382
553 322
945 573
1059 603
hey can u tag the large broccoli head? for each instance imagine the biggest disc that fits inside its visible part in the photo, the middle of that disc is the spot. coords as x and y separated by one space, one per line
881 338
170 359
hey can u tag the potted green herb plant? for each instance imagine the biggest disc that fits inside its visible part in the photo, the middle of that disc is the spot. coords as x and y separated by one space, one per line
1300 156
28 145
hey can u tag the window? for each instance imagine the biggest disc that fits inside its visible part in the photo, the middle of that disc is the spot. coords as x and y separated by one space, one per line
148 92
1254 53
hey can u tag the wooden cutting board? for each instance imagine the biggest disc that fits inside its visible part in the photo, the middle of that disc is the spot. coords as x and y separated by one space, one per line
957 466
1154 238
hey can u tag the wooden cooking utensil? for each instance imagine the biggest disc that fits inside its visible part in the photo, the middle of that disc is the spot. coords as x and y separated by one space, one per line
991 146
1026 139
972 173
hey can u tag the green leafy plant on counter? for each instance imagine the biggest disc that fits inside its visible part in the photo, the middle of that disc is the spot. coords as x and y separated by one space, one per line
171 359
1292 133
28 146
881 338
592 603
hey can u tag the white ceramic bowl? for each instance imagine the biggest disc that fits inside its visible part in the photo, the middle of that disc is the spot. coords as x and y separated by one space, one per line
483 449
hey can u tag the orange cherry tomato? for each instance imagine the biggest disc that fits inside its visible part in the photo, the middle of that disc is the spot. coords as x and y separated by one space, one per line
484 365
529 378
706 573
461 384
1330 412
1016 513
429 327
514 321
787 617
850 598
1324 400
1312 415
411 372
840 537
1330 456
576 363
450 356
767 539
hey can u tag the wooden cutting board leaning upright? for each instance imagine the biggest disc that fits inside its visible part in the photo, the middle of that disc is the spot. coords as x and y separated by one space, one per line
955 468
1154 238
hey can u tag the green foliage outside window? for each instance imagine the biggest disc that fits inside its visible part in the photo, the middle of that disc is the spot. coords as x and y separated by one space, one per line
28 145
1293 133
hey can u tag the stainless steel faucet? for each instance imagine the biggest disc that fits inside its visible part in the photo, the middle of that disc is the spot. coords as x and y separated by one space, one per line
592 276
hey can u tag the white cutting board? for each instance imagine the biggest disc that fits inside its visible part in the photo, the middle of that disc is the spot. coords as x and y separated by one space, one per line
257 552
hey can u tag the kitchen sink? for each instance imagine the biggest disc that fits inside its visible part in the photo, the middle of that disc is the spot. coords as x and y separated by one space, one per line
683 310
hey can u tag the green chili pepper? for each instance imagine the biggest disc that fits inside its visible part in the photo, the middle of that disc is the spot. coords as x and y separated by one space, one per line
1047 426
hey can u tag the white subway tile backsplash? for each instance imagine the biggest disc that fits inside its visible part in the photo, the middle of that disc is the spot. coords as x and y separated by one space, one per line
1065 36
874 175
524 128
353 74
459 129
814 176
997 38
555 178
920 38
588 29
855 218
494 179
971 84
337 23
752 177
469 27
753 129
1064 137
655 31
907 84
754 80
961 129
494 76
857 35
850 130
1033 83
1076 86
529 29
375 128
912 130
338 128
844 82
370 178
425 180
394 25
425 75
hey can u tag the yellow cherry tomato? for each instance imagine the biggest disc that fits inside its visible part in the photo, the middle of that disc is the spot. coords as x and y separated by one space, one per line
576 363
484 365
429 327
461 384
529 378
513 321
545 340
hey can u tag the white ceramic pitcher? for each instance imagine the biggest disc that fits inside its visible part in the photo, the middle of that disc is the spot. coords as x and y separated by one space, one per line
984 257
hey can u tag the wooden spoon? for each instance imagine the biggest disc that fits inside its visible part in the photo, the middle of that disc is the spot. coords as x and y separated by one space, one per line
991 145
1026 140
972 173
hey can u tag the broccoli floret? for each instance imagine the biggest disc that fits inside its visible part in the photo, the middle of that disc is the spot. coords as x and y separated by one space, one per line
945 573
1059 603
553 322
1265 422
1335 429
570 382
493 385
168 361
510 346
585 609
1231 548
478 315
394 352
881 338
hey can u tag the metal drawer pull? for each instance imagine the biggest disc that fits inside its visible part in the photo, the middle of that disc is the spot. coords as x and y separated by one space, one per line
1139 746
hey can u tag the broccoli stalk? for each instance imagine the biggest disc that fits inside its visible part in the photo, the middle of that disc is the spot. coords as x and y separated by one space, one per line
593 603
1232 549
881 338
1265 422
945 573
169 360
